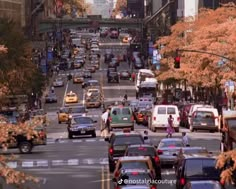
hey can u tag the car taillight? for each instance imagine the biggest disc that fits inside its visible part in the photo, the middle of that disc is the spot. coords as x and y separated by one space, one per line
42 134
111 151
222 182
159 152
157 159
110 119
182 181
117 174
178 119
154 118
153 187
132 118
134 173
140 115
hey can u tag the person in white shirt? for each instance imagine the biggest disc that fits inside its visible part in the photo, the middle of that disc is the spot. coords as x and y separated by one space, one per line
105 123
185 139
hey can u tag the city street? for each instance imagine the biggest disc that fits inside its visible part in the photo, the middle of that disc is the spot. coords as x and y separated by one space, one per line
82 162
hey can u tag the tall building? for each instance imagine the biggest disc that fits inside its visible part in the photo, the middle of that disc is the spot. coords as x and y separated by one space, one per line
15 10
102 7
135 8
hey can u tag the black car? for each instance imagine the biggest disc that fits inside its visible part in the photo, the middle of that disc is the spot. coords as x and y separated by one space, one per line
81 125
209 184
118 143
108 57
146 150
91 83
51 98
109 70
113 77
196 167
87 74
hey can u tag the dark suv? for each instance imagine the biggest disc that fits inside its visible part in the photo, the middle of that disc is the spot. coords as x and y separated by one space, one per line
196 167
113 77
118 143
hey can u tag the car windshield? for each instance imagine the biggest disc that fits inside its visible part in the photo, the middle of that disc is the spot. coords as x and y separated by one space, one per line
64 110
141 151
126 140
82 120
93 83
92 100
71 95
202 168
58 79
78 110
171 143
134 165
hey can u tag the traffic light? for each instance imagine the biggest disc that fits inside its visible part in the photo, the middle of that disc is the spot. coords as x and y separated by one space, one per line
177 62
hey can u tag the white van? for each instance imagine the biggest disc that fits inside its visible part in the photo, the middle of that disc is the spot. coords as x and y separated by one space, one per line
159 117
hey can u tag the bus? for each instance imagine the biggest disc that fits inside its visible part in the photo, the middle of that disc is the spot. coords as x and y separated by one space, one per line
141 76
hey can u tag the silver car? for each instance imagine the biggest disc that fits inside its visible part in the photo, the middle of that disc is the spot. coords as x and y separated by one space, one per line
168 150
58 82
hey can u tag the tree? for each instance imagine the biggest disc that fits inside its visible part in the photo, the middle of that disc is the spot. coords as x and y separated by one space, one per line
215 34
80 6
120 5
17 71
227 162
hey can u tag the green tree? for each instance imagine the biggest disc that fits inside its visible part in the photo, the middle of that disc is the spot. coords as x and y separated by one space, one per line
17 71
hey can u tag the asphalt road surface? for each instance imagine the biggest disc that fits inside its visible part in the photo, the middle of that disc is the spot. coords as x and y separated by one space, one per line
82 162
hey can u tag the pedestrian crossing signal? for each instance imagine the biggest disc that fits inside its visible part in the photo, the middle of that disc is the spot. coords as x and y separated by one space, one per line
177 62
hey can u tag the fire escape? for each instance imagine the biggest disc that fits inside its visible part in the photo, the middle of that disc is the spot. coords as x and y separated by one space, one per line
160 22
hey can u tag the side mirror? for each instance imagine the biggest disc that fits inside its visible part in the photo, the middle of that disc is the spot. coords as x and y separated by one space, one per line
114 180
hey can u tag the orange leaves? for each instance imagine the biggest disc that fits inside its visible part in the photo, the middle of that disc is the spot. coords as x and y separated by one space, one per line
223 164
212 31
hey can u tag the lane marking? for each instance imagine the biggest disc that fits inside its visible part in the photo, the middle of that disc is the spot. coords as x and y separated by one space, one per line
108 178
12 164
83 102
102 178
73 162
58 162
63 101
27 164
42 163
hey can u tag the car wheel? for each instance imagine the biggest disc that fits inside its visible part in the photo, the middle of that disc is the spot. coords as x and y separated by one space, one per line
70 136
25 147
94 134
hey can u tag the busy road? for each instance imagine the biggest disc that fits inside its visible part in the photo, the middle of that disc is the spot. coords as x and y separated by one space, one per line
82 162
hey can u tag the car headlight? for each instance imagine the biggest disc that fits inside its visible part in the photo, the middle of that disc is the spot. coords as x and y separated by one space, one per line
70 116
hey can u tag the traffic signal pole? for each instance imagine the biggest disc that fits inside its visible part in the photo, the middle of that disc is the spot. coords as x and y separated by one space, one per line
204 52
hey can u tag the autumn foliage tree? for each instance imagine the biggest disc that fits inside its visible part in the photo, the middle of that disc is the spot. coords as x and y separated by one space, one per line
80 6
17 71
211 31
120 5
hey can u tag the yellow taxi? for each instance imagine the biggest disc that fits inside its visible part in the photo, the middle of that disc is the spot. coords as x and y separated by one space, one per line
136 162
63 115
71 98
125 39
78 78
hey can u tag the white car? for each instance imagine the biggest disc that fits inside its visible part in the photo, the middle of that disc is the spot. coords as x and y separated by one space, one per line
58 82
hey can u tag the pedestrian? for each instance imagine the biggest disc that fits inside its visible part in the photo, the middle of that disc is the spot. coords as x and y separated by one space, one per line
52 89
40 104
57 70
170 127
133 76
146 138
105 124
185 139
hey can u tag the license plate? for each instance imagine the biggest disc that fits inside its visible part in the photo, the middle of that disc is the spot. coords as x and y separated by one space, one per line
125 118
82 132
203 124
